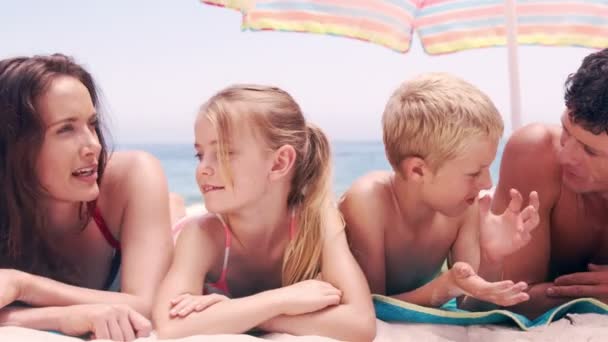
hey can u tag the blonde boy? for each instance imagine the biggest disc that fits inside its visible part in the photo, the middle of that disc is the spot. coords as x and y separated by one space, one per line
440 135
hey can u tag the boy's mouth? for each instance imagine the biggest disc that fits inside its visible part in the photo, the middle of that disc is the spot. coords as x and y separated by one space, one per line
208 188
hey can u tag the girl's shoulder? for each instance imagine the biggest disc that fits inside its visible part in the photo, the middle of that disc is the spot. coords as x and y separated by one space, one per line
207 227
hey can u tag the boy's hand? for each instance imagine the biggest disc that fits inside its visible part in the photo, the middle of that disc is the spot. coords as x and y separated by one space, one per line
501 235
504 293
185 304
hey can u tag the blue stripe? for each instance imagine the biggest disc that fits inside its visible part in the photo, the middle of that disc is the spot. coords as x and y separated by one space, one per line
470 4
523 20
456 5
406 5
335 10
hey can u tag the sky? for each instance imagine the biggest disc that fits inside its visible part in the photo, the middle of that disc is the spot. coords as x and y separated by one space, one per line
157 61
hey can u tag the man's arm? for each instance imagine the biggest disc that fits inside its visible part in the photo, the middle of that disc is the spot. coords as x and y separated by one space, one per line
529 163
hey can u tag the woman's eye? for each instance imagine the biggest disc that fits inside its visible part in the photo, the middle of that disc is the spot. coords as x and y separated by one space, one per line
66 128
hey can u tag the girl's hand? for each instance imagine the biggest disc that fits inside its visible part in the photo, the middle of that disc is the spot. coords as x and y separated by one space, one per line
185 304
504 293
105 321
309 296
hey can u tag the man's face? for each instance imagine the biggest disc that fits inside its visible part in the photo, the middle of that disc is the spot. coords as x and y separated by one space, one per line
583 157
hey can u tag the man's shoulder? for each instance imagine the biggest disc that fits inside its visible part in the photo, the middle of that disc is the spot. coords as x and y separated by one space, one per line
533 139
530 162
533 147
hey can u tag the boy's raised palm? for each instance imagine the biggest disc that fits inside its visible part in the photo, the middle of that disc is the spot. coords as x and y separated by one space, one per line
503 293
501 235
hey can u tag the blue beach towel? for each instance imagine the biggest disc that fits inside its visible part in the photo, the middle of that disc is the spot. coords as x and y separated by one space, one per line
393 310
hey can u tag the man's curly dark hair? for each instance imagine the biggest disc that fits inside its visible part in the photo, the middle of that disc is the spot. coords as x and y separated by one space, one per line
587 93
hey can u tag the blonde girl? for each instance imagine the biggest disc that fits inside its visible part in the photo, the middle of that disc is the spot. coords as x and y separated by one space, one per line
255 261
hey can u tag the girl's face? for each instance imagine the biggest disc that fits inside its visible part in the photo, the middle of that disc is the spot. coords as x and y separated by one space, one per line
67 164
250 164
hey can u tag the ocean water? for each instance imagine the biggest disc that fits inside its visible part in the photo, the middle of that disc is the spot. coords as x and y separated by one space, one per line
352 159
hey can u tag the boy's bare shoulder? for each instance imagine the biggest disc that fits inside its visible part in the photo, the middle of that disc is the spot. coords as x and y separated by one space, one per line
369 200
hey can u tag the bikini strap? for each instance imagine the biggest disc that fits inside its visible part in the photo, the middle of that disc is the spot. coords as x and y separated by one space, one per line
103 228
227 244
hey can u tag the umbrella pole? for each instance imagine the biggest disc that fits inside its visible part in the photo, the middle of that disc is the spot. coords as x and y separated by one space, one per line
515 96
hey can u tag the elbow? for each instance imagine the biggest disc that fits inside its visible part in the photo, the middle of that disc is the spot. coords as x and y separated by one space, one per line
366 331
166 331
362 325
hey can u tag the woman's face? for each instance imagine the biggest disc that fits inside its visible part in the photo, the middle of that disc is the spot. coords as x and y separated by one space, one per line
67 164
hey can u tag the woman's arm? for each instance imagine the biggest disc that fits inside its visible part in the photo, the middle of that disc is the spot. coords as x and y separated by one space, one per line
145 237
354 318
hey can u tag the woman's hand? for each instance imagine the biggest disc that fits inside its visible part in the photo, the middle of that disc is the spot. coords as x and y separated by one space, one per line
103 321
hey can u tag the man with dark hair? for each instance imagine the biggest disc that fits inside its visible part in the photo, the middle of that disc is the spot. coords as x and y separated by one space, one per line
568 166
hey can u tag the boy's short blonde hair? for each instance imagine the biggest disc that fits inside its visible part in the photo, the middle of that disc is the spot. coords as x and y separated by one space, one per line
434 116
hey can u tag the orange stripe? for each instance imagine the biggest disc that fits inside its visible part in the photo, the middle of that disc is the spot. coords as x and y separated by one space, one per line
355 24
549 30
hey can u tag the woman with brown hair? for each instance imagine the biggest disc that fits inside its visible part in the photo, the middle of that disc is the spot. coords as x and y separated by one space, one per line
75 221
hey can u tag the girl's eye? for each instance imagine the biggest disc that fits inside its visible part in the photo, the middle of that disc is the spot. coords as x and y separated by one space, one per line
198 156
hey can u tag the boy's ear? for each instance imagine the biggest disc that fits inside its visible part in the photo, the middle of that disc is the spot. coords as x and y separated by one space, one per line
283 161
413 168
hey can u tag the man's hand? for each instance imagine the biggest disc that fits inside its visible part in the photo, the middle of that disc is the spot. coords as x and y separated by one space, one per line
583 284
501 235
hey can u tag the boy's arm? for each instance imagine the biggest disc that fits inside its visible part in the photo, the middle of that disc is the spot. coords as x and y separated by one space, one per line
353 319
362 210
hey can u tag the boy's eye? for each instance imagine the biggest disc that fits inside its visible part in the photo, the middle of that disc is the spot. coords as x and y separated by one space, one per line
474 175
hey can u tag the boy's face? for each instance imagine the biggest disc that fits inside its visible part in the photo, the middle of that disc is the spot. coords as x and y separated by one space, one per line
455 185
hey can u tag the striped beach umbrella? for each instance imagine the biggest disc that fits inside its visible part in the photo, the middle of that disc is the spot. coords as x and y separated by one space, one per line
443 26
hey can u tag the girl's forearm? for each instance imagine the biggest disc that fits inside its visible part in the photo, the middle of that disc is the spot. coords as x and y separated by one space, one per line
234 316
342 322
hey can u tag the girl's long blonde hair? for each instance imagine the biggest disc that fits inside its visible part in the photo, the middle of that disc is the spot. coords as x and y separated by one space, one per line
279 121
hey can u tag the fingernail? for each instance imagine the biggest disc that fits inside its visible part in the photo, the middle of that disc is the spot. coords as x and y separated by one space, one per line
550 291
